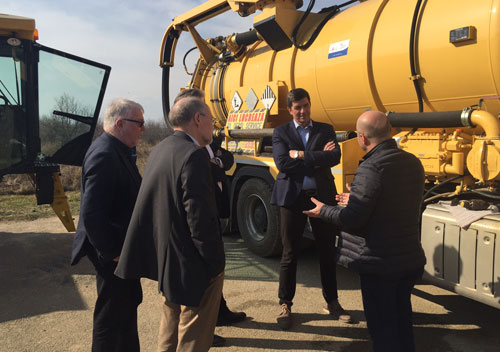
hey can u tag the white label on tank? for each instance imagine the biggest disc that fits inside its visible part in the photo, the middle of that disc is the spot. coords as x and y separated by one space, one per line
338 49
236 101
268 98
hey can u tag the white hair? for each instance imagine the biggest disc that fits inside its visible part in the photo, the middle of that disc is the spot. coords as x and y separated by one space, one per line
119 108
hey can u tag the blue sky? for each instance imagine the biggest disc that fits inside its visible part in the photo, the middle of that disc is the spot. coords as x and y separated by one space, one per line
125 35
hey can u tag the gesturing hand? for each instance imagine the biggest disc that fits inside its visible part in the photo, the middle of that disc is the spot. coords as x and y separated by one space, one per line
314 213
343 198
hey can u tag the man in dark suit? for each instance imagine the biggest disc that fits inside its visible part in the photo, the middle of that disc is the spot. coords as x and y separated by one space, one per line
221 160
304 151
174 234
380 236
109 187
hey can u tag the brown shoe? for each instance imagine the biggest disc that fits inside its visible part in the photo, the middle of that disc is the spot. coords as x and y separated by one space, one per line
334 308
285 318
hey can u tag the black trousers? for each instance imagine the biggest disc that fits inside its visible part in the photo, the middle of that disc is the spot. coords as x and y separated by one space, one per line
387 304
115 312
293 223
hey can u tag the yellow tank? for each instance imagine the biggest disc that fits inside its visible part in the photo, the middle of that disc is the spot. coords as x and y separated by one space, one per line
361 60
375 72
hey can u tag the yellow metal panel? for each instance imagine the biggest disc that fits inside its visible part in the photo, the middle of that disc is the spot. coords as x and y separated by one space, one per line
345 170
458 72
17 26
60 204
342 82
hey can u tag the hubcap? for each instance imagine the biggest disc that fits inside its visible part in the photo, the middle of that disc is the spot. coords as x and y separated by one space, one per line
256 217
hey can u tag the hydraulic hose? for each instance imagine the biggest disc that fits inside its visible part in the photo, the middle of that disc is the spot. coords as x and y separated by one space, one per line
268 132
169 47
459 118
413 67
332 11
246 38
428 119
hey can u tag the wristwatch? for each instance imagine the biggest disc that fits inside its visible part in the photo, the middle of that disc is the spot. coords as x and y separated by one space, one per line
296 154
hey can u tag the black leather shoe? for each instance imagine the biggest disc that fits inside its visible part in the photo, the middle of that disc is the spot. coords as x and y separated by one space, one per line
230 318
218 341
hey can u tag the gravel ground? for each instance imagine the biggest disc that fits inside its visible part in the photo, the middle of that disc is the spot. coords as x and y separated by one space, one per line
46 305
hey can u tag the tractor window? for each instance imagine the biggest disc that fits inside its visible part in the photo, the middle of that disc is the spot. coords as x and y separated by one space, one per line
70 92
12 117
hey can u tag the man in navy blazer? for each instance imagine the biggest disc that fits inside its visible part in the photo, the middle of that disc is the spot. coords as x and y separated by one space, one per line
304 151
109 187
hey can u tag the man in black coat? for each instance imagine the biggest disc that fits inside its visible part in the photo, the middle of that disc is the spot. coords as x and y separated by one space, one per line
221 160
380 237
174 235
304 151
110 183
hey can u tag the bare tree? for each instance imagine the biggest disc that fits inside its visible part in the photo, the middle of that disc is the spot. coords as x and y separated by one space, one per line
56 130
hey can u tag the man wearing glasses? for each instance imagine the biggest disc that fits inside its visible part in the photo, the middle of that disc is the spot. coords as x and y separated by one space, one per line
109 187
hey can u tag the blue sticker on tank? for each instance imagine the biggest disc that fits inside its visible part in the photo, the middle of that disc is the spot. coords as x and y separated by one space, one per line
338 49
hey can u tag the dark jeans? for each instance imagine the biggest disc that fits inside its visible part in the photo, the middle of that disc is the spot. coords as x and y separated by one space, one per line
115 312
387 304
293 223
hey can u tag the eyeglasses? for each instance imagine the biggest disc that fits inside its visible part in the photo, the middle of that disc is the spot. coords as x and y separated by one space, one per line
139 123
214 121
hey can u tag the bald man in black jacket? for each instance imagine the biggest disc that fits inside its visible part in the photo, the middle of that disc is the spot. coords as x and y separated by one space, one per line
381 233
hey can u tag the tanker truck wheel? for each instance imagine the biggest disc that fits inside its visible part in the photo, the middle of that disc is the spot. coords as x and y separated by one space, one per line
258 220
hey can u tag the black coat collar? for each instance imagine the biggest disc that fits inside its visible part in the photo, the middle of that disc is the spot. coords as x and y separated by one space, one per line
387 144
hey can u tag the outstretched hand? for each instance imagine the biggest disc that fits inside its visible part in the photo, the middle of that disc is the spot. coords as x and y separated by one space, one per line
343 198
314 213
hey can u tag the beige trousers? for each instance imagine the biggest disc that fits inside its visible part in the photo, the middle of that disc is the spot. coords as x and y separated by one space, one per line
191 329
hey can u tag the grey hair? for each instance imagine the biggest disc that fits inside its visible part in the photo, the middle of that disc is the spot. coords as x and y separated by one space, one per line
191 92
183 111
119 108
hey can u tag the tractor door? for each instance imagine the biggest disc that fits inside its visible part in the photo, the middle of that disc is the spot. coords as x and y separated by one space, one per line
71 90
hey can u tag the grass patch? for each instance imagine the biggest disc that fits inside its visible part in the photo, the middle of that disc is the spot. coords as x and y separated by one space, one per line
23 207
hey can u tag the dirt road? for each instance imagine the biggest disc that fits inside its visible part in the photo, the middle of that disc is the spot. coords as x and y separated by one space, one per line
46 305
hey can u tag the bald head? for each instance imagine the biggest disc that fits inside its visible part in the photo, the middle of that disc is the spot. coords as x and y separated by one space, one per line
374 126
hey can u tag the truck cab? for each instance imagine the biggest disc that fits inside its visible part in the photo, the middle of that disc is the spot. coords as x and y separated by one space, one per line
49 105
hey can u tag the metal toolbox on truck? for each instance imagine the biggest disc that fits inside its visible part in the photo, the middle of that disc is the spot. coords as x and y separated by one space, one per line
464 261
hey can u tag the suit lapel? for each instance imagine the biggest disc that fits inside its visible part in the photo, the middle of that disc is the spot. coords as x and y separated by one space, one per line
295 135
132 169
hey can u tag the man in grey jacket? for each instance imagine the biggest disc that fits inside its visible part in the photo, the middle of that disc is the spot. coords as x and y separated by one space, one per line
380 232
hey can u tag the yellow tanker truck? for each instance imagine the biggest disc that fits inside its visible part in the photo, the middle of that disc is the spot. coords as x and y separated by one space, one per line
432 66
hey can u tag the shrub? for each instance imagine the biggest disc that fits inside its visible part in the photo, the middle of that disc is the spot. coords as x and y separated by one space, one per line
71 175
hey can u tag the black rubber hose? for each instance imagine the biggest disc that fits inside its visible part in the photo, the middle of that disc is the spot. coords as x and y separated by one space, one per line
428 119
165 96
246 38
332 11
184 60
413 67
165 79
485 194
439 185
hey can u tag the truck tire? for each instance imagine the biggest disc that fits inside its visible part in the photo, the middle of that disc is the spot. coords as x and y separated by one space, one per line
258 220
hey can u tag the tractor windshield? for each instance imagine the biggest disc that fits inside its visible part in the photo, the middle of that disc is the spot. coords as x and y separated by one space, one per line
13 132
